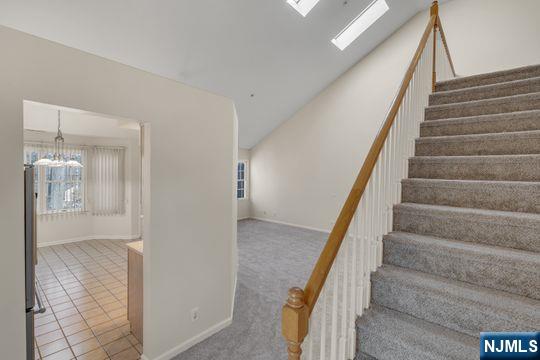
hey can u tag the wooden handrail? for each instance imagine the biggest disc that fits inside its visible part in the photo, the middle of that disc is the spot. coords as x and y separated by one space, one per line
296 311
324 264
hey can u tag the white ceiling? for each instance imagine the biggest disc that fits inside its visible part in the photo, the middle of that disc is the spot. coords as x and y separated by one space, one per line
231 47
44 118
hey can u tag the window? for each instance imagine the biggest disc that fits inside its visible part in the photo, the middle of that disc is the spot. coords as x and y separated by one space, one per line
303 6
59 189
241 180
98 187
361 23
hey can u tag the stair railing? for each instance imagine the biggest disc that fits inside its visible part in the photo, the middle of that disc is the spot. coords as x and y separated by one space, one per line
319 322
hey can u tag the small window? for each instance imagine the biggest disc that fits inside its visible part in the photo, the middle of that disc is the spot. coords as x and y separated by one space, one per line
241 180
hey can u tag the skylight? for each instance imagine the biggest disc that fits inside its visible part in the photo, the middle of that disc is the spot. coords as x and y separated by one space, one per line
360 24
303 6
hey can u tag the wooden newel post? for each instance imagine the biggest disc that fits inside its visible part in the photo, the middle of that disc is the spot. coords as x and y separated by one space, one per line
434 11
294 322
435 8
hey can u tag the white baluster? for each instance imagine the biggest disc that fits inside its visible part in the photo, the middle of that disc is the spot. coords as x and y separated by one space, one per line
419 92
370 223
377 203
409 140
412 123
353 290
390 200
309 352
412 120
361 256
387 190
384 204
366 254
405 135
322 351
380 208
344 299
334 316
373 211
399 160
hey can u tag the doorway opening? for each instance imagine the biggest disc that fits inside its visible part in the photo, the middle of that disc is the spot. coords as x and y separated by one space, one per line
83 219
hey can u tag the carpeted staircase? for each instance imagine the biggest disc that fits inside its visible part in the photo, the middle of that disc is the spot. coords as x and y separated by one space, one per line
464 256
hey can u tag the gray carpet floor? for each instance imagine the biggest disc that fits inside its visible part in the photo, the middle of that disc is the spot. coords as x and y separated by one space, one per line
272 258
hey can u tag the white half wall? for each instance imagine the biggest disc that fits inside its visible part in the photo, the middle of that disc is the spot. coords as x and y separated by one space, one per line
303 171
244 205
190 241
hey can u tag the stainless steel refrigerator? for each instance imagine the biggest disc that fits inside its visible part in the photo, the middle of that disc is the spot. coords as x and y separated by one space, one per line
33 302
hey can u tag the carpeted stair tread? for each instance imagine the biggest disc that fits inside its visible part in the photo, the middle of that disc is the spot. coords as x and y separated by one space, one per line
481 194
456 305
510 88
385 334
514 143
500 105
525 72
511 230
483 124
513 271
485 167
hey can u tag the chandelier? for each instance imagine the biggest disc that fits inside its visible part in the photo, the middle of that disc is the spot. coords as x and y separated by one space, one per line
58 159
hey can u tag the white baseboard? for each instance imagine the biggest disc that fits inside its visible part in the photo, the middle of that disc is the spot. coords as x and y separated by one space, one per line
290 224
92 237
191 342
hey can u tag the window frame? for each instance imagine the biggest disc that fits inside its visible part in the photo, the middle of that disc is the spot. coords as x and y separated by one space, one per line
43 183
245 180
69 180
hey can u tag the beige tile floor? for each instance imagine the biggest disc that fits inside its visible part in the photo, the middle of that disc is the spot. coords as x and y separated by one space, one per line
84 288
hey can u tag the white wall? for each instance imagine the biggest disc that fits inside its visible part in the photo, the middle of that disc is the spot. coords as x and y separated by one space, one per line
492 35
244 205
62 228
189 240
302 172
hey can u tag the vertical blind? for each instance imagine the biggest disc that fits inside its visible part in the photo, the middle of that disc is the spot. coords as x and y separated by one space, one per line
98 186
108 181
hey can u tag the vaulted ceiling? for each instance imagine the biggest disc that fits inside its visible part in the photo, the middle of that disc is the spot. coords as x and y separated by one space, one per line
261 53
